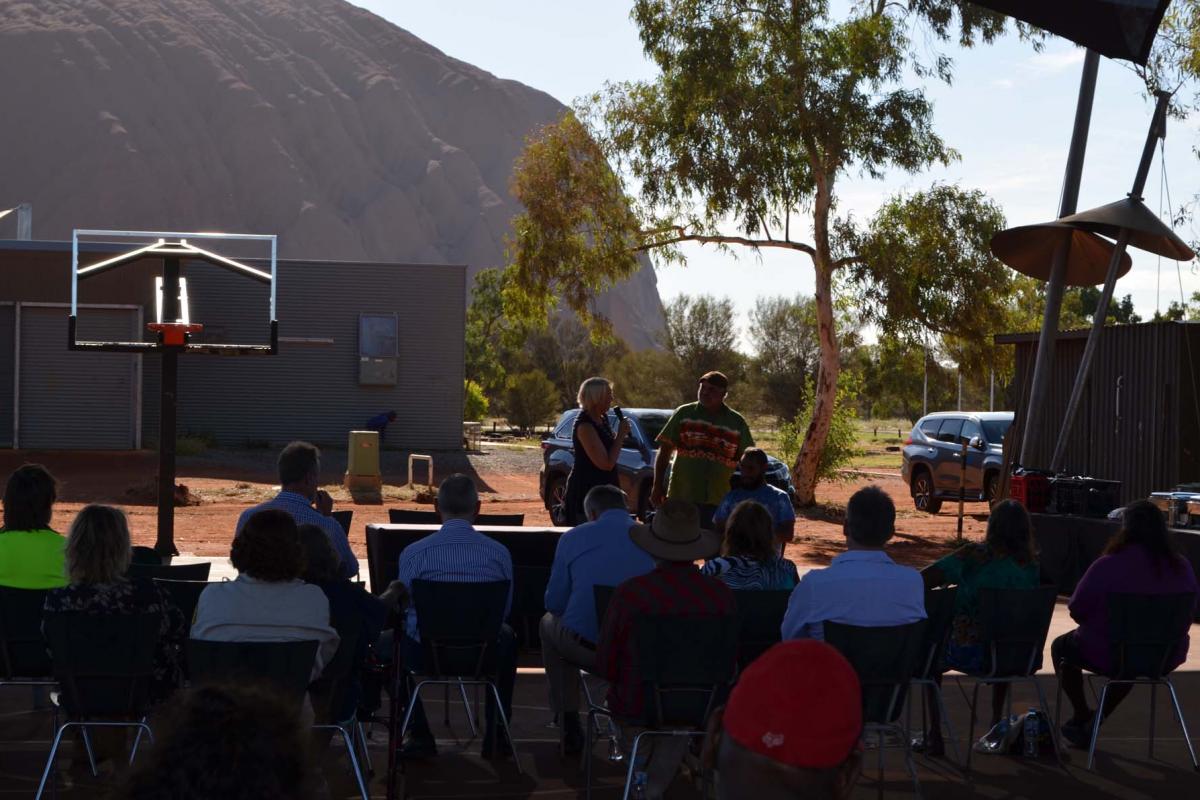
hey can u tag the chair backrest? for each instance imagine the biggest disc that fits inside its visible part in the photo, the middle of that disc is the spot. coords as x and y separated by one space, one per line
103 662
529 602
174 572
1013 624
939 617
411 516
284 667
459 624
140 554
1145 631
686 665
603 596
184 594
330 691
513 520
885 659
345 519
760 617
22 646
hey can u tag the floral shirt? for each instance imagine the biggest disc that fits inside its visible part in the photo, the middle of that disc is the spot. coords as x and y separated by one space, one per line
133 596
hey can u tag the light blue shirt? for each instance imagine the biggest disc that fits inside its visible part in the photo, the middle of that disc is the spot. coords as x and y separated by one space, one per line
775 500
859 587
596 553
302 511
457 553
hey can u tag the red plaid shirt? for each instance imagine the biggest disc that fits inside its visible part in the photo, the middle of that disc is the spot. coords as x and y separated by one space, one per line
671 588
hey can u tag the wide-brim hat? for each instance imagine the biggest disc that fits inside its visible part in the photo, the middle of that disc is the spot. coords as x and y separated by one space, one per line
674 534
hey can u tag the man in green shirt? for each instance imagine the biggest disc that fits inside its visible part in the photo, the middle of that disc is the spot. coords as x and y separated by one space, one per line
706 439
31 555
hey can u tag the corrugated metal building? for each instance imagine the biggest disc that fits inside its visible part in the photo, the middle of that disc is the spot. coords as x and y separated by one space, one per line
1139 420
51 397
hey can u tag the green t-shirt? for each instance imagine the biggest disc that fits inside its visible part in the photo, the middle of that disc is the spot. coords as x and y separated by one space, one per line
707 449
32 559
974 569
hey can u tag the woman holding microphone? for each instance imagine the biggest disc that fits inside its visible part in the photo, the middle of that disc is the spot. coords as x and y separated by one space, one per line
596 448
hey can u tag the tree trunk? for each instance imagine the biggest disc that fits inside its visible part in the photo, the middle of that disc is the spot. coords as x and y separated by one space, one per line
804 473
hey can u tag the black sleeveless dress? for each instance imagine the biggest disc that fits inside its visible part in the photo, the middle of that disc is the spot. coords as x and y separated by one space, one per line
585 474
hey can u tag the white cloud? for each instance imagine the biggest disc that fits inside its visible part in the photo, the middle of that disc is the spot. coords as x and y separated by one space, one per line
1055 60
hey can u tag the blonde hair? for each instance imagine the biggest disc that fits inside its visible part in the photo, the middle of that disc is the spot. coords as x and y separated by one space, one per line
592 391
98 548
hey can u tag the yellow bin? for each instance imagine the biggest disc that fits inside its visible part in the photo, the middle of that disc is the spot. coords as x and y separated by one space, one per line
363 456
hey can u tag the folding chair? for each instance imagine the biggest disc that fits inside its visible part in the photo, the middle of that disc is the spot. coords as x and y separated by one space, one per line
345 519
103 665
23 657
174 572
184 594
760 618
939 614
285 667
1145 631
885 659
329 693
686 665
601 596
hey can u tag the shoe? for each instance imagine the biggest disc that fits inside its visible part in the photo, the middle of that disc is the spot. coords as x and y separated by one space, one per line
929 744
418 747
571 742
1079 734
493 749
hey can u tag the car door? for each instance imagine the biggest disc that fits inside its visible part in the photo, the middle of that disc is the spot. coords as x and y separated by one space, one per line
630 462
949 456
975 456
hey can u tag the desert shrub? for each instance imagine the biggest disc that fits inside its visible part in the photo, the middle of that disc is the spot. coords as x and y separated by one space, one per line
475 405
841 445
529 399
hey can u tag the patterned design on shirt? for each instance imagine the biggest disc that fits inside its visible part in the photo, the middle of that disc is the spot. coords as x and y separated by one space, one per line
671 589
741 573
707 446
708 442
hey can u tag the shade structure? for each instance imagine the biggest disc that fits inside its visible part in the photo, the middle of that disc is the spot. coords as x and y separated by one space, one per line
1122 29
1029 249
1146 230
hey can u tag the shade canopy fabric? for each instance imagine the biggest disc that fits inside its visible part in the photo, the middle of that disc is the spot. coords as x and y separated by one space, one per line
1147 231
1121 29
1029 249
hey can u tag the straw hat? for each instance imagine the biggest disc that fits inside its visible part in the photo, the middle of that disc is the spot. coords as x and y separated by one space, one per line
674 534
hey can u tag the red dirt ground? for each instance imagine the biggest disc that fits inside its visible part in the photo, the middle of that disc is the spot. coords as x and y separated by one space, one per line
226 488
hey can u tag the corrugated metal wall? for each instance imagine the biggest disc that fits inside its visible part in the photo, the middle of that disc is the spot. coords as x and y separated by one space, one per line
310 390
7 342
1138 422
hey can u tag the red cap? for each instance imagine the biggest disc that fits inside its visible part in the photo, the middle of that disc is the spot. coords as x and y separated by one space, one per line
799 703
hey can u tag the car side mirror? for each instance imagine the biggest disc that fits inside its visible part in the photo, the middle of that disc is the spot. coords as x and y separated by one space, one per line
977 442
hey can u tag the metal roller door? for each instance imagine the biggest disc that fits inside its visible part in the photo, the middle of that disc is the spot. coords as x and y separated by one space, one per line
72 400
8 340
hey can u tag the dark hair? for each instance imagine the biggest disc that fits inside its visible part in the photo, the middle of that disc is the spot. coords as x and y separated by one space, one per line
1143 524
750 532
457 496
225 742
870 517
1010 532
29 498
320 561
296 461
757 454
268 547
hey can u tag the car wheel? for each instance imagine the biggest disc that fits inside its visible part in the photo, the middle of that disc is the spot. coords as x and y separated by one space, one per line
922 492
991 483
556 490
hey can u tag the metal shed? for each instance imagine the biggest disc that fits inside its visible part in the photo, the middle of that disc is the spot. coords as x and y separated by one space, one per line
1139 421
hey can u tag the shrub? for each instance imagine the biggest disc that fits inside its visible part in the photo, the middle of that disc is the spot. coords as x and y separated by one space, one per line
841 445
193 444
475 405
530 398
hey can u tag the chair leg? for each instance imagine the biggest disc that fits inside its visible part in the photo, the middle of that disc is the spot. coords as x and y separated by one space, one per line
941 702
1153 703
587 754
911 764
446 704
412 701
50 759
91 754
971 725
462 690
504 722
879 781
1182 725
1096 726
358 775
632 765
365 752
142 727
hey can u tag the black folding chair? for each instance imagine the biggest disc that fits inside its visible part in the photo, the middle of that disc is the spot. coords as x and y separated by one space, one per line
410 516
184 594
529 603
1013 624
140 554
104 665
885 659
1145 631
686 665
172 572
23 657
760 618
511 520
345 519
329 693
284 667
939 617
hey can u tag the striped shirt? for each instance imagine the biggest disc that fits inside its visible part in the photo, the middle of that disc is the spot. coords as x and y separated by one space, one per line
302 511
457 553
741 573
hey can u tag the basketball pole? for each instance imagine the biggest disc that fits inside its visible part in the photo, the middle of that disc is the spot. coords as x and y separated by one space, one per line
164 544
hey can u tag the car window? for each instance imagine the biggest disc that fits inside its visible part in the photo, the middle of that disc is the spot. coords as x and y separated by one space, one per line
995 430
652 425
950 430
930 427
565 423
970 429
631 441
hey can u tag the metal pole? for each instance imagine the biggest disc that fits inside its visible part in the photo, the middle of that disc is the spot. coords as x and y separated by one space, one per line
925 388
992 390
1157 130
164 543
25 222
960 387
962 488
1054 287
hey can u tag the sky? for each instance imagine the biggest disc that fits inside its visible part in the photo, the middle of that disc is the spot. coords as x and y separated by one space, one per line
1008 113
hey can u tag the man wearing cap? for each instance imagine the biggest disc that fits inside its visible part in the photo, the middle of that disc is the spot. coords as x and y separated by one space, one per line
675 540
706 439
791 727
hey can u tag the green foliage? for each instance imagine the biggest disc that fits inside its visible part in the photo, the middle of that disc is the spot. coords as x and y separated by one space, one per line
568 355
1179 311
702 334
530 399
841 445
475 404
646 379
192 443
1120 312
492 338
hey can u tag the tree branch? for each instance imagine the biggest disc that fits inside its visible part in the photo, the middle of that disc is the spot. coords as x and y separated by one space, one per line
847 261
682 236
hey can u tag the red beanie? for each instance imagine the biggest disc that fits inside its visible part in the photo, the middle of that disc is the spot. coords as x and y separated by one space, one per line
799 703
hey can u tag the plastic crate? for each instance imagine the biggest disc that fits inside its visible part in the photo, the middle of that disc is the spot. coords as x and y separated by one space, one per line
1031 490
1089 497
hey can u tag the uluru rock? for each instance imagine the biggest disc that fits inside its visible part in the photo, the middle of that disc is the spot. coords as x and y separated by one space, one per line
345 135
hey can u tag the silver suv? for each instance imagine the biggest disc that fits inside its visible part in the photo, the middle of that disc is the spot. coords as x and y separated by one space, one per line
932 456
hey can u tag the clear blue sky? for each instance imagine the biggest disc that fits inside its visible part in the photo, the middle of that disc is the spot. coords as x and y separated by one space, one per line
1009 114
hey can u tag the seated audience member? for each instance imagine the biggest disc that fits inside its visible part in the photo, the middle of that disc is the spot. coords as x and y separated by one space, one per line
225 743
675 540
267 602
862 586
1004 560
301 496
1139 559
457 553
791 728
749 555
597 553
31 554
754 486
97 557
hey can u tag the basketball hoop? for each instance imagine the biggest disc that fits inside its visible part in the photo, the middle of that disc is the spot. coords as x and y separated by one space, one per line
173 334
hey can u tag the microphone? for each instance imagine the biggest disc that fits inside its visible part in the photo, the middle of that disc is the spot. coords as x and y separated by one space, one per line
620 414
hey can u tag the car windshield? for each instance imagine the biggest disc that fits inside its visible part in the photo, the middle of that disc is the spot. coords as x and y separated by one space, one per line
994 430
651 425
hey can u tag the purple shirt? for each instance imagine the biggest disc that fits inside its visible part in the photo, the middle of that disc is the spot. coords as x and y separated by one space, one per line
1131 571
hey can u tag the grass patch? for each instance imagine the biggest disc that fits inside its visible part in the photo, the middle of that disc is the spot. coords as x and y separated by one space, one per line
193 444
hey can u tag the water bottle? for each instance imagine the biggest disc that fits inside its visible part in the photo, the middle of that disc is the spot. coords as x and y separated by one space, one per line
638 791
1030 734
